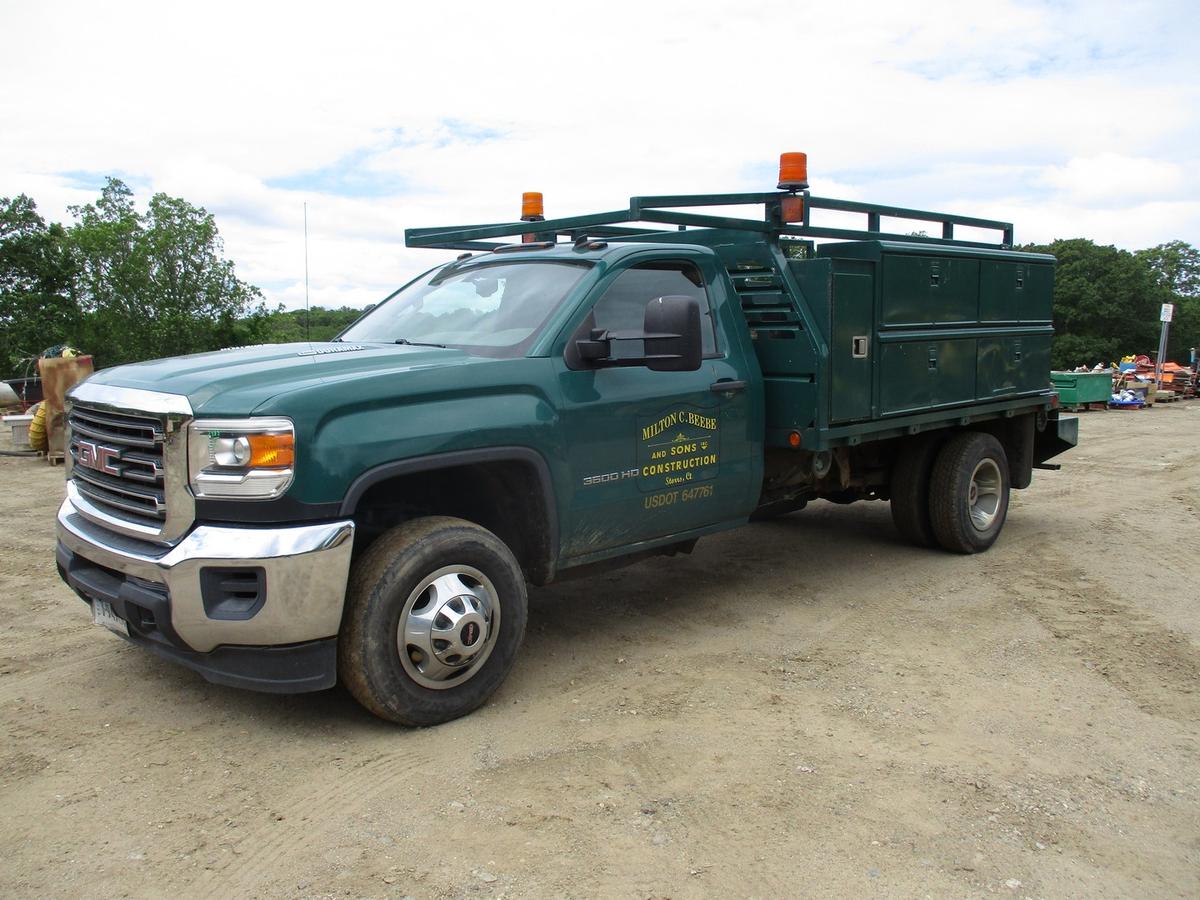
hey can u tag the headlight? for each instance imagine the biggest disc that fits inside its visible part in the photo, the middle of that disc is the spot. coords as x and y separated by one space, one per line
241 458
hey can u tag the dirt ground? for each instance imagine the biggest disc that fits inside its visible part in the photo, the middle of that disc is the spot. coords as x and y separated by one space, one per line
806 707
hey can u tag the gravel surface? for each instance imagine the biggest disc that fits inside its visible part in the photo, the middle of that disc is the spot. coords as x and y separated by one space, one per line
802 707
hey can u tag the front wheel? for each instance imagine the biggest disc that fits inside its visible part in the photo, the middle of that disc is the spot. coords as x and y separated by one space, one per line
968 492
436 611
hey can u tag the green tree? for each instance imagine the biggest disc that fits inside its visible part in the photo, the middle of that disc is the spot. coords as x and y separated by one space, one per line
156 284
1176 267
37 309
1106 303
317 324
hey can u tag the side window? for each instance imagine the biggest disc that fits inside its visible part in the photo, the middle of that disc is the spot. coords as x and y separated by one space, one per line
623 306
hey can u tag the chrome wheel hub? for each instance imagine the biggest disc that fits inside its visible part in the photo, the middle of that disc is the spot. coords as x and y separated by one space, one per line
984 494
448 627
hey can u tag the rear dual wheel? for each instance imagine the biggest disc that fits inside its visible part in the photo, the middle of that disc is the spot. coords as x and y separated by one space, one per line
910 489
951 492
968 492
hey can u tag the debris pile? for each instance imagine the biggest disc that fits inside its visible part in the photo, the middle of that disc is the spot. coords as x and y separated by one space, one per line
1133 383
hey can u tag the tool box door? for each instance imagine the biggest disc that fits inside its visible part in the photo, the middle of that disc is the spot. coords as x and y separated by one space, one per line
852 350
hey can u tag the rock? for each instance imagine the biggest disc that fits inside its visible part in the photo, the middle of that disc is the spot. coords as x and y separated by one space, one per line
485 876
455 806
1012 884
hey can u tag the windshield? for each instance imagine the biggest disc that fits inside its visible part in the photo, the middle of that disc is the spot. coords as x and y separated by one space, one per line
493 310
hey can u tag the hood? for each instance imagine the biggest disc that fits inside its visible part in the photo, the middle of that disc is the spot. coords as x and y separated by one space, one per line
236 382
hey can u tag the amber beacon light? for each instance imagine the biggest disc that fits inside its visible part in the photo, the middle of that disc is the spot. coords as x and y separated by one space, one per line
793 171
531 206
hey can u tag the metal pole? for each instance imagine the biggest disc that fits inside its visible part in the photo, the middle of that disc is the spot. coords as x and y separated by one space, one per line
306 313
1165 316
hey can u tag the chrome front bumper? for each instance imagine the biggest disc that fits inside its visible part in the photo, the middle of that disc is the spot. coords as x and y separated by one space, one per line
306 568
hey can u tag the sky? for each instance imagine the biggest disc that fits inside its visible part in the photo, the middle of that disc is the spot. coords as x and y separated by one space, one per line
1069 119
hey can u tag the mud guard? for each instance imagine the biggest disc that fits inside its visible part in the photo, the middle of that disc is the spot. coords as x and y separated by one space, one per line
1059 435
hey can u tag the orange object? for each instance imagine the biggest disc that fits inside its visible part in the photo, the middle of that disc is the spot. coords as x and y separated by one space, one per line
793 171
531 205
792 209
794 439
271 451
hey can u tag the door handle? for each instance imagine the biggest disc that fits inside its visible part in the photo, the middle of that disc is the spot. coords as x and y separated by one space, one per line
721 387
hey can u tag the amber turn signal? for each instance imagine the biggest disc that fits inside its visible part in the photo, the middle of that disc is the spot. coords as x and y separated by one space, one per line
794 439
793 171
531 205
272 451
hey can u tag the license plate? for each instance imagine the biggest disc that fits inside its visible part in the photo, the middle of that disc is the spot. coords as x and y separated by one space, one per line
102 614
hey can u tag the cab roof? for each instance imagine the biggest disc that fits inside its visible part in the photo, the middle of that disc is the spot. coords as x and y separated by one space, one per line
566 252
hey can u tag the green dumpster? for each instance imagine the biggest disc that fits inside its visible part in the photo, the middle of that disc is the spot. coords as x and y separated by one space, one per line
1079 388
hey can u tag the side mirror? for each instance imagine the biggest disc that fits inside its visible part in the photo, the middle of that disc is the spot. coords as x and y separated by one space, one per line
670 339
595 347
672 334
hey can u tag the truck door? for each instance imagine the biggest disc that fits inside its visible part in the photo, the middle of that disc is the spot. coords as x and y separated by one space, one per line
653 454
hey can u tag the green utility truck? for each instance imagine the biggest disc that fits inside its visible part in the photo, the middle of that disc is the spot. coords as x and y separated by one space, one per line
596 390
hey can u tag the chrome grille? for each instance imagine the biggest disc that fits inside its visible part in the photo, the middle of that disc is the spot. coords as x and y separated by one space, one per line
118 463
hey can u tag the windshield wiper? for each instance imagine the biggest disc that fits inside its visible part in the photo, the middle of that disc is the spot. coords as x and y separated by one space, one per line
409 343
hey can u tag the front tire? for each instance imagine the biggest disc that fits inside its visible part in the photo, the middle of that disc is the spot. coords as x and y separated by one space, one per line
436 611
968 492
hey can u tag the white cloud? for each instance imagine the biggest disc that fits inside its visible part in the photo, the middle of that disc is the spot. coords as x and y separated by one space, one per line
1070 119
1112 179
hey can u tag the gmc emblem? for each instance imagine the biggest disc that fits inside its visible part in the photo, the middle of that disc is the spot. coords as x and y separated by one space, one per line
98 457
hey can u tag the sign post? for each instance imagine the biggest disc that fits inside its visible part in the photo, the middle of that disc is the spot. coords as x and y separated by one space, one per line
1168 312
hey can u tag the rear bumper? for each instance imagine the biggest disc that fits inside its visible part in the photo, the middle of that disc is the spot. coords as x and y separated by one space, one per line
281 639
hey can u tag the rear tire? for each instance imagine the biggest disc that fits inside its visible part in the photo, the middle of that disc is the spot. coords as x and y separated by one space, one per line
910 489
968 492
436 611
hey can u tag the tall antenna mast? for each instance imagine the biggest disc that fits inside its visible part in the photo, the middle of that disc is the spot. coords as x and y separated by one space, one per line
306 313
